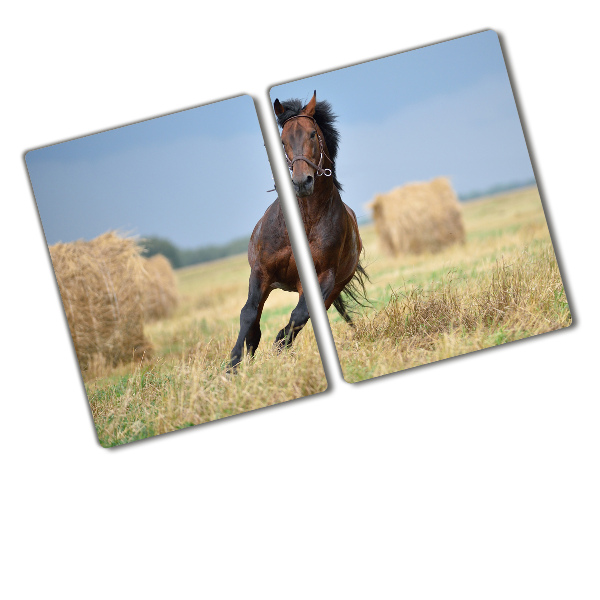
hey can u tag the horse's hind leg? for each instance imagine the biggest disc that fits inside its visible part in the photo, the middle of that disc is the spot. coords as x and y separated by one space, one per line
250 321
298 320
340 306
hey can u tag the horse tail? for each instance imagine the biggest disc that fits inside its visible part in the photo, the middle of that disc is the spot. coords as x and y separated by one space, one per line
355 292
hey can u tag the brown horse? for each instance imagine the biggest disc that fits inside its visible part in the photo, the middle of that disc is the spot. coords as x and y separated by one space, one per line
310 142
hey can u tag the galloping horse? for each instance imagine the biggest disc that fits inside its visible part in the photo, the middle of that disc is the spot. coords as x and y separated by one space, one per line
310 142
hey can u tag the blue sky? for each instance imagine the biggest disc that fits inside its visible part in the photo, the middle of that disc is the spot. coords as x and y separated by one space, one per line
446 109
180 176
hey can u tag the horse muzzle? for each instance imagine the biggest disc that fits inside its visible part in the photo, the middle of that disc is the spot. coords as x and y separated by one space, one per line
305 186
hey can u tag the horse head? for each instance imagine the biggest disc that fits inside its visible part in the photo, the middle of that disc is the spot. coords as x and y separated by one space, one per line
304 147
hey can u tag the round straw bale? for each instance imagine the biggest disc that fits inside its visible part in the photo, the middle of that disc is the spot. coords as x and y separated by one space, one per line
418 217
101 284
160 295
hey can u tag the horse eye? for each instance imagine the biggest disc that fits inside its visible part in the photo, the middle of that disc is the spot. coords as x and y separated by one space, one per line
312 134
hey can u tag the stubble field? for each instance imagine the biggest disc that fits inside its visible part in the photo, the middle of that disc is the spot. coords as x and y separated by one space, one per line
502 285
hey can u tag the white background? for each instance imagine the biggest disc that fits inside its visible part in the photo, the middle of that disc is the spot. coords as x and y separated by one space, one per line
472 478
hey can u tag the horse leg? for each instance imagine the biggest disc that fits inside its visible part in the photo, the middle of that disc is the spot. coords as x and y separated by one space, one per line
254 333
298 320
339 302
340 306
300 316
250 321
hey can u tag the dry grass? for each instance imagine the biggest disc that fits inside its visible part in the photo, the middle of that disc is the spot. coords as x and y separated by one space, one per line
101 284
524 294
174 394
504 285
186 383
160 295
418 217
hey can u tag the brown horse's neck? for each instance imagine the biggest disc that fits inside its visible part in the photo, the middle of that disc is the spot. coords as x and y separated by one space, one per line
313 207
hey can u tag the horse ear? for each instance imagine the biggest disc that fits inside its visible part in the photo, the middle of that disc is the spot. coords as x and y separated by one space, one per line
279 110
309 109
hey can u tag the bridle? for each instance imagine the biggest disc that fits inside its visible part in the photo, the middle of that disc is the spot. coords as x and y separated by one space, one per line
319 170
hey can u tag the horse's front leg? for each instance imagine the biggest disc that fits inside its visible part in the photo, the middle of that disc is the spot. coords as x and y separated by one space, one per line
298 320
300 315
250 321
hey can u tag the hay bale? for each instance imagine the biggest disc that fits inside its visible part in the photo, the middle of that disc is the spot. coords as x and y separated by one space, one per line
418 217
101 284
160 295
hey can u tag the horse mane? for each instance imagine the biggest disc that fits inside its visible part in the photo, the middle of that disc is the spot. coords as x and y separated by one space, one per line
325 119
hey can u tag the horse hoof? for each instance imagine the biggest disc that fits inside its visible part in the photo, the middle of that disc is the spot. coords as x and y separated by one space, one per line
279 345
232 367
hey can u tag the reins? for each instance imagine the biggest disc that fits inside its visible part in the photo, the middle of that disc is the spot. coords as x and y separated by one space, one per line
319 170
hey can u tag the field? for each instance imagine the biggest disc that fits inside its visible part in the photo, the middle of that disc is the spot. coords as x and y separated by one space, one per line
185 382
502 285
